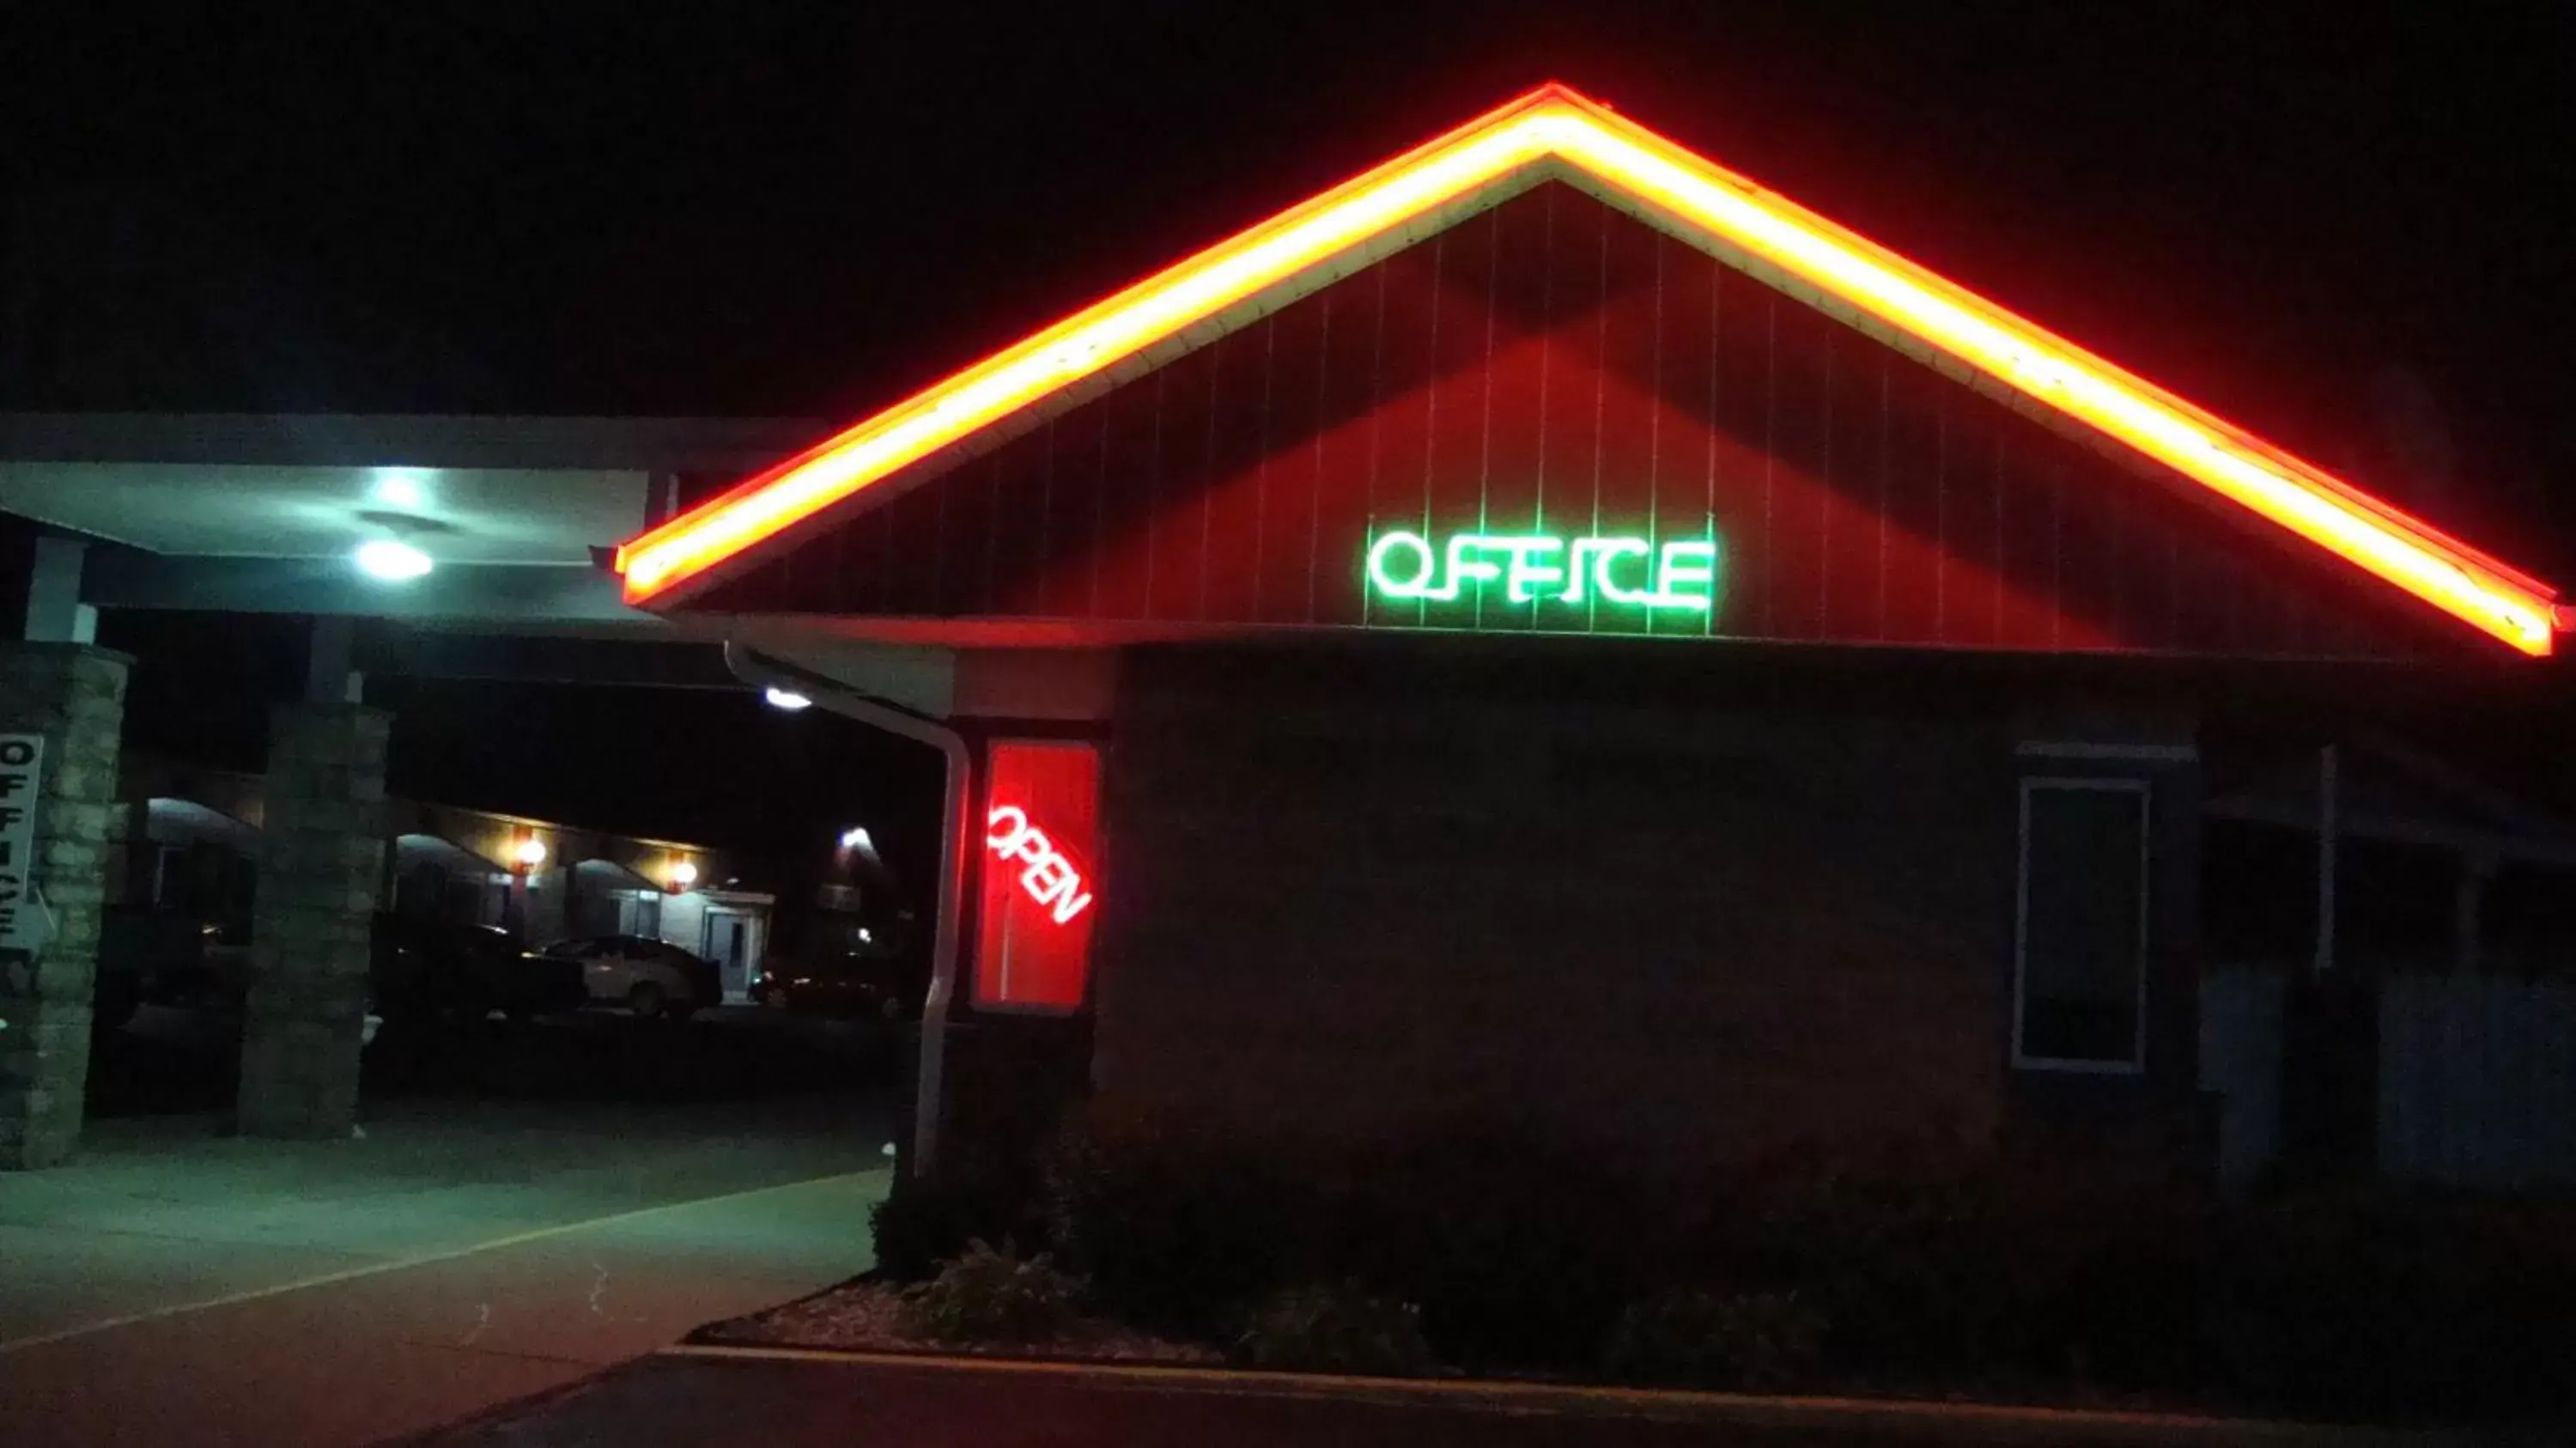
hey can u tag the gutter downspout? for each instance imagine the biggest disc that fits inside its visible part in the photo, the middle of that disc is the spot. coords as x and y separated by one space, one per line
760 672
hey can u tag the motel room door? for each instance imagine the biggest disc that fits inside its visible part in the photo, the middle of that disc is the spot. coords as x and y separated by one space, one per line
733 943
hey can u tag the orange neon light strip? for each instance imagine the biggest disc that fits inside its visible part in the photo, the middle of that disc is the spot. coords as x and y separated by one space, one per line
1554 124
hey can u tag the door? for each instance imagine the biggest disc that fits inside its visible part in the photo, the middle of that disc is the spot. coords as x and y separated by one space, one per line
733 943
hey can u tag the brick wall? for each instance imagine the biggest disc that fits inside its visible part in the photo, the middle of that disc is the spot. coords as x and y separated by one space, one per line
74 696
321 864
1348 900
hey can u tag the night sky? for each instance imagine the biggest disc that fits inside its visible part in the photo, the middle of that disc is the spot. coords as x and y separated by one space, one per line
2335 224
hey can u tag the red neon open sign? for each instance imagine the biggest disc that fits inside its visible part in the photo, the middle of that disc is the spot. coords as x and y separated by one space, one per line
1050 879
1041 841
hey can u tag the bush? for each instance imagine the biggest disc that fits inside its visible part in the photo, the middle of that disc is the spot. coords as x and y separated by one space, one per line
1942 1273
1338 1329
989 1296
1760 1342
928 1221
2389 1308
1521 1255
1177 1233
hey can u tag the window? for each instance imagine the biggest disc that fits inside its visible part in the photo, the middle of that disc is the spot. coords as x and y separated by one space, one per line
639 914
169 878
1040 829
2080 940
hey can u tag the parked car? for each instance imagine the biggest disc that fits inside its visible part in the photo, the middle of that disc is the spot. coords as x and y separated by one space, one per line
427 968
840 985
648 977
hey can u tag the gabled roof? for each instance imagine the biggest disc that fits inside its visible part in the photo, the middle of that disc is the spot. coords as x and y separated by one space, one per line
1553 132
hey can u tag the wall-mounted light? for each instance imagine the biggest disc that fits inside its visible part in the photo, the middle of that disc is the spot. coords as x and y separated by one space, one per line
530 853
684 874
856 838
787 699
392 560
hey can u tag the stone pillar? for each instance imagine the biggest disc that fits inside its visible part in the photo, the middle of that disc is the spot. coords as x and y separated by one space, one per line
321 865
73 695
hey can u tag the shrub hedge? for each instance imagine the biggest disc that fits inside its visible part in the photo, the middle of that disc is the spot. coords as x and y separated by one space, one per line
1926 1272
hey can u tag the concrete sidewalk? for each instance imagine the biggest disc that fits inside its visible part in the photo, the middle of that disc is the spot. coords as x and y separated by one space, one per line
180 1287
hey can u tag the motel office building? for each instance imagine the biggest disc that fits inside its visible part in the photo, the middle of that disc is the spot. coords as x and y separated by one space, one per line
1548 632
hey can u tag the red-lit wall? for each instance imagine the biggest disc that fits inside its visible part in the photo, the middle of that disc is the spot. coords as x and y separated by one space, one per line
1554 365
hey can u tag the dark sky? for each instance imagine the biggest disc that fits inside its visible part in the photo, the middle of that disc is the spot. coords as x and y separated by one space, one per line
2335 223
2314 218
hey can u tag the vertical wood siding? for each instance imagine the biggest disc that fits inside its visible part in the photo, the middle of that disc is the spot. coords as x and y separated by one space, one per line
1554 365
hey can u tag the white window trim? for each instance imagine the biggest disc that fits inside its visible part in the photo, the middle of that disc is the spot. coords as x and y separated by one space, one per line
2086 749
2030 784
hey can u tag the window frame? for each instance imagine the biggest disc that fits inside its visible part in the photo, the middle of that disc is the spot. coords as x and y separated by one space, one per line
2144 789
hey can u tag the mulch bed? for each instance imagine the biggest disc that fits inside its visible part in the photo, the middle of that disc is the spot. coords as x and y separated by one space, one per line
864 1316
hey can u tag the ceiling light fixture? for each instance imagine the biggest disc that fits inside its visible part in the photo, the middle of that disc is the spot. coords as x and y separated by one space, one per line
400 488
392 560
787 699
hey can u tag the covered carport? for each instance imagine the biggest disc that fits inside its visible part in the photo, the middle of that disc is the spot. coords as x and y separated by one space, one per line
430 547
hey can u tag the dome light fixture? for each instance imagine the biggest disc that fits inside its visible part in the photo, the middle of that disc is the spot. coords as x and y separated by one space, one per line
401 488
787 699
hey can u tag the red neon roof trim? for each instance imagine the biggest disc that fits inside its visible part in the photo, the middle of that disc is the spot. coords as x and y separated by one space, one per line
1587 144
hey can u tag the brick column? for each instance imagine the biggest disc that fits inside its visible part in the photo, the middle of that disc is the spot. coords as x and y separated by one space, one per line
73 695
321 865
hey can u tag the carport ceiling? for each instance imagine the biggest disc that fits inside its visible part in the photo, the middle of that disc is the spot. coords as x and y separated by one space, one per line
460 515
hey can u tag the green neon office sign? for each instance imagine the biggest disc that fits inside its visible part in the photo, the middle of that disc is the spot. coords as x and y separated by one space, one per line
1680 576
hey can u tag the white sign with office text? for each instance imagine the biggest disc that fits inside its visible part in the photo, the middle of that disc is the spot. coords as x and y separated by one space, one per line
22 919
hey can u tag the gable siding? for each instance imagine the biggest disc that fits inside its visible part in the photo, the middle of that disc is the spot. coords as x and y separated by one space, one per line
1556 365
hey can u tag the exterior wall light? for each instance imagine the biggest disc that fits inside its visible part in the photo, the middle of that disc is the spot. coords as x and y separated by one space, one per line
856 838
530 854
392 560
787 699
684 874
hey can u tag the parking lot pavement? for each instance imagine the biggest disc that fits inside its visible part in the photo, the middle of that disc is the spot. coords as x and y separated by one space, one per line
169 1060
786 1400
177 1285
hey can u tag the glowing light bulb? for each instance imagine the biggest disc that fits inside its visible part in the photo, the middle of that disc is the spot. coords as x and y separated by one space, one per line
400 488
392 560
